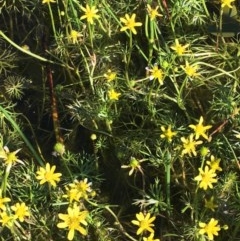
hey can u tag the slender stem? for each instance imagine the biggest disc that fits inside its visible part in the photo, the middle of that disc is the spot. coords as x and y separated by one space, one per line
4 181
24 50
67 168
168 178
119 224
52 21
90 29
130 49
16 127
205 8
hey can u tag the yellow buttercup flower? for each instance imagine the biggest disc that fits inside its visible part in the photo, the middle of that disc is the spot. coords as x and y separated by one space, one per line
144 222
48 1
10 158
168 133
200 129
153 13
190 70
71 194
83 188
47 175
110 75
130 23
227 3
156 73
210 228
6 219
178 48
206 178
21 211
72 221
74 35
90 13
214 163
189 145
113 95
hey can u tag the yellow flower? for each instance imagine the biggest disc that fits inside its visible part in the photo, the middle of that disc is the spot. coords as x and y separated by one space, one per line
130 23
72 221
206 178
144 222
190 70
210 204
200 129
90 13
113 95
189 145
83 188
134 165
226 3
210 228
71 194
10 158
74 35
78 190
178 48
168 133
150 238
153 13
21 211
48 1
214 164
110 76
47 175
156 73
6 219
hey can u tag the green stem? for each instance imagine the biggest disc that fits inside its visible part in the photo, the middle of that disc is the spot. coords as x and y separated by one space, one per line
205 8
4 181
52 21
168 178
130 50
24 50
149 37
180 101
119 224
67 168
220 22
90 29
16 127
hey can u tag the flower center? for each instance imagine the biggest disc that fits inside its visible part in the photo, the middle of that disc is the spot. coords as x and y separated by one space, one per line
73 223
130 23
48 176
144 224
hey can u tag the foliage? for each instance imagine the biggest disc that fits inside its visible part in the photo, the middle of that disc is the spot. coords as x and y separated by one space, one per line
119 120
